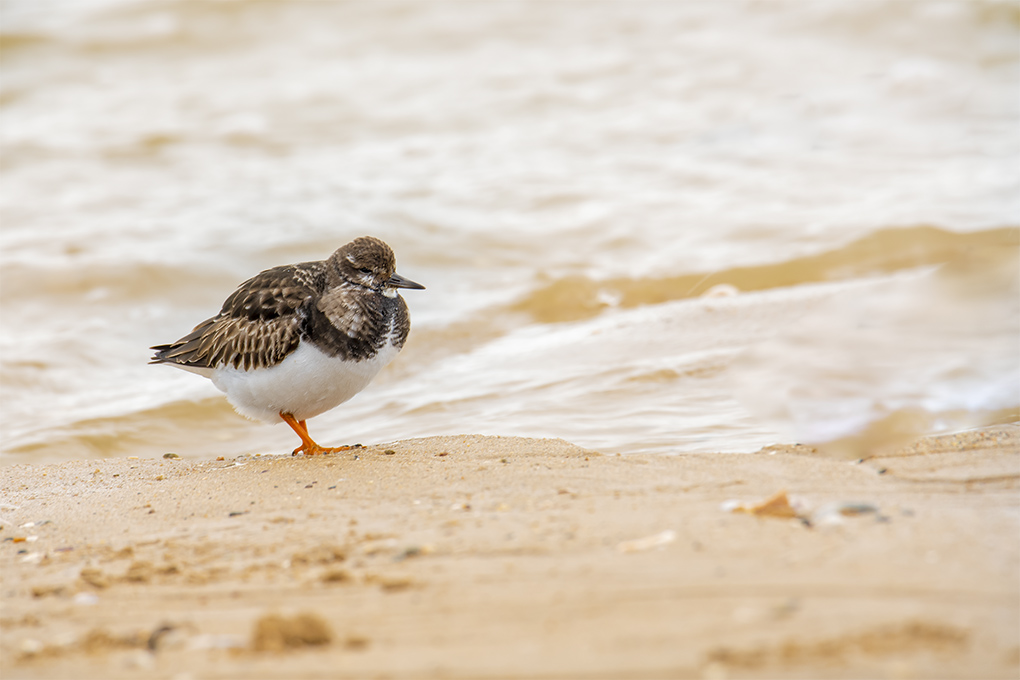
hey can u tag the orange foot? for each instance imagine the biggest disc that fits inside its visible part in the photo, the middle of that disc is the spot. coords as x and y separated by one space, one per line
316 450
308 445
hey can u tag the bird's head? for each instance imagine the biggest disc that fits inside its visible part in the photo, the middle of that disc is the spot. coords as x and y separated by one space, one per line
370 263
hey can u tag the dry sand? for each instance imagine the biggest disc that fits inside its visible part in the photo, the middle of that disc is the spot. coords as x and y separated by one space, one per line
488 557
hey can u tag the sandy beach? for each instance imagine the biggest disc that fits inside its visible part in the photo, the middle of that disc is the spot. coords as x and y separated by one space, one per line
497 557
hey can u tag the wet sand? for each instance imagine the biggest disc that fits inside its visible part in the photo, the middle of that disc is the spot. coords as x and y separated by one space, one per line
489 557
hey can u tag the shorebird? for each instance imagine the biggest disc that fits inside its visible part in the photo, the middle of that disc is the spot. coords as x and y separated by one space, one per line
298 340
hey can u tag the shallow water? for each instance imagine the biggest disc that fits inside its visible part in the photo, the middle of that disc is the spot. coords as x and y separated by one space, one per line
643 227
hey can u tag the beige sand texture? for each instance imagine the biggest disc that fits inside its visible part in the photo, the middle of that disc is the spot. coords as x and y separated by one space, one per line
490 557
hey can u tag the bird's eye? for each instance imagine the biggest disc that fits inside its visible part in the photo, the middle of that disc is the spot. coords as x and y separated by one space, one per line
364 270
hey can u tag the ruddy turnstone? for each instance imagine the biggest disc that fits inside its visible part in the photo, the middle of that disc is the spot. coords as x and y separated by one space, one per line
298 340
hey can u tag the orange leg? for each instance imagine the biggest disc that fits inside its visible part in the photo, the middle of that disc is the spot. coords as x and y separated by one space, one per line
308 445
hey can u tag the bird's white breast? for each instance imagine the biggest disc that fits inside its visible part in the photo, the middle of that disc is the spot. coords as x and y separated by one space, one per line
308 382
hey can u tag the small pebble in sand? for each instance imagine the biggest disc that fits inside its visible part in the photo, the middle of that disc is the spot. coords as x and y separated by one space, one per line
275 633
834 513
140 571
94 577
414 551
648 542
390 583
337 576
47 590
778 505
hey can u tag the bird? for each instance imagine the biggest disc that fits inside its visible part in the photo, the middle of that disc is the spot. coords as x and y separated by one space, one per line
298 340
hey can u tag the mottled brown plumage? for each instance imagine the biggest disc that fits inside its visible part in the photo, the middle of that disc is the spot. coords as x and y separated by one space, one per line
338 304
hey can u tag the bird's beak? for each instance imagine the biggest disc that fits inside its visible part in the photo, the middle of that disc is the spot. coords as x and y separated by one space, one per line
398 281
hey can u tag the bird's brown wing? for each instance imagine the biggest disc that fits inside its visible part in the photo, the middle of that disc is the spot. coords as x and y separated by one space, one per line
259 325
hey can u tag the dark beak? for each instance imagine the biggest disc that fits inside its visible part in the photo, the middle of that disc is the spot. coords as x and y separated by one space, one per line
398 281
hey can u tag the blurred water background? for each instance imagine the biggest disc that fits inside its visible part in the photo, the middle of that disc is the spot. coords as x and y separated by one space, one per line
644 226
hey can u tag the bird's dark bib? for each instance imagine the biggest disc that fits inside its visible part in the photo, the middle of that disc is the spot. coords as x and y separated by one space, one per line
370 320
